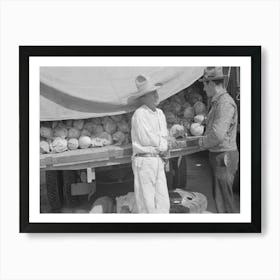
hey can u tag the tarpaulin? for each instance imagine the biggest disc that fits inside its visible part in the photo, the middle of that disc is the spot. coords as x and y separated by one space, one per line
86 92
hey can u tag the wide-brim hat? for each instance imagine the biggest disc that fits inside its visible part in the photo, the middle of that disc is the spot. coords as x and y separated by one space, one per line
213 74
144 86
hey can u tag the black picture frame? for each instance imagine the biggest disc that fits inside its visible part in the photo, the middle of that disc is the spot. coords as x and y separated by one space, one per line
25 52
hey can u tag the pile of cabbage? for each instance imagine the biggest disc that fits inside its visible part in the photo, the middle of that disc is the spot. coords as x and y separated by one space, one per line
60 136
185 114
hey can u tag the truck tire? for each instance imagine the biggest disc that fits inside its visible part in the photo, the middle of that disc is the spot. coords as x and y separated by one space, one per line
69 177
54 189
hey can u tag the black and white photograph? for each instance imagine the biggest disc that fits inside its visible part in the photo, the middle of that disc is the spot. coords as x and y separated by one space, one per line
147 134
175 132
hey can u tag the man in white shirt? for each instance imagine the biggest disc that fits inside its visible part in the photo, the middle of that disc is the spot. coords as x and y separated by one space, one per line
149 142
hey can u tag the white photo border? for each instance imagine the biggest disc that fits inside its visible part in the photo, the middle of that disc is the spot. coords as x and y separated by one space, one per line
245 139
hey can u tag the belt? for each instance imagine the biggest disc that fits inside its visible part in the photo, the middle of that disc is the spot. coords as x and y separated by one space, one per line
165 159
147 155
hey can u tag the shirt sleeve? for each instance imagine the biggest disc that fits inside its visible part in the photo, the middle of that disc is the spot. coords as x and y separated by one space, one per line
216 134
143 139
163 145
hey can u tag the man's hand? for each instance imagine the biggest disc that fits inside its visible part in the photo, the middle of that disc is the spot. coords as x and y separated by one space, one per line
162 153
157 150
165 154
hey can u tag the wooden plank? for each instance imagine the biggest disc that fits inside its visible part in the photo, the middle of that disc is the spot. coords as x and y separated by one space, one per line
89 164
79 155
116 161
104 156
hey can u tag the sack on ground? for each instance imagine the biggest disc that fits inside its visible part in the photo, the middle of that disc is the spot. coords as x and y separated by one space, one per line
126 203
187 202
103 204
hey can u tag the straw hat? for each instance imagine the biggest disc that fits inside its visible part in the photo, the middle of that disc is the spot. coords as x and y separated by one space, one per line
144 86
212 74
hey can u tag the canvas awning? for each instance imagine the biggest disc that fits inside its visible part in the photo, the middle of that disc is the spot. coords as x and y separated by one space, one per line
86 92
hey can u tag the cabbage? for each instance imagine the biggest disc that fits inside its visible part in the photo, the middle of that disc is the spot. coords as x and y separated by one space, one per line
197 129
60 124
58 145
199 119
186 124
177 131
68 123
175 99
78 124
110 126
73 144
96 121
60 132
54 124
97 130
85 132
181 95
119 138
74 133
97 142
165 105
46 124
123 126
46 132
186 105
44 147
172 143
105 119
89 126
178 98
194 97
189 113
175 108
199 108
106 137
170 117
84 142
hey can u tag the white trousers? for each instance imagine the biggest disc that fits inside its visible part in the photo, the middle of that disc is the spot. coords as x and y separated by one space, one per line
150 186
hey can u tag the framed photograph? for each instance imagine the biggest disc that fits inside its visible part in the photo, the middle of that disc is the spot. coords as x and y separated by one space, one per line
140 139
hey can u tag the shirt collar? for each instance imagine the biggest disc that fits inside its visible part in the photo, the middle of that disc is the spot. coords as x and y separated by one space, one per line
147 108
217 95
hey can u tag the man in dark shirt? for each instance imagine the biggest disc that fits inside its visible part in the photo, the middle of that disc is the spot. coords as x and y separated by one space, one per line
220 138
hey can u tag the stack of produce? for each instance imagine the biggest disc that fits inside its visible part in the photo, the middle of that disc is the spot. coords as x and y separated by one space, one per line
60 136
185 115
184 111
